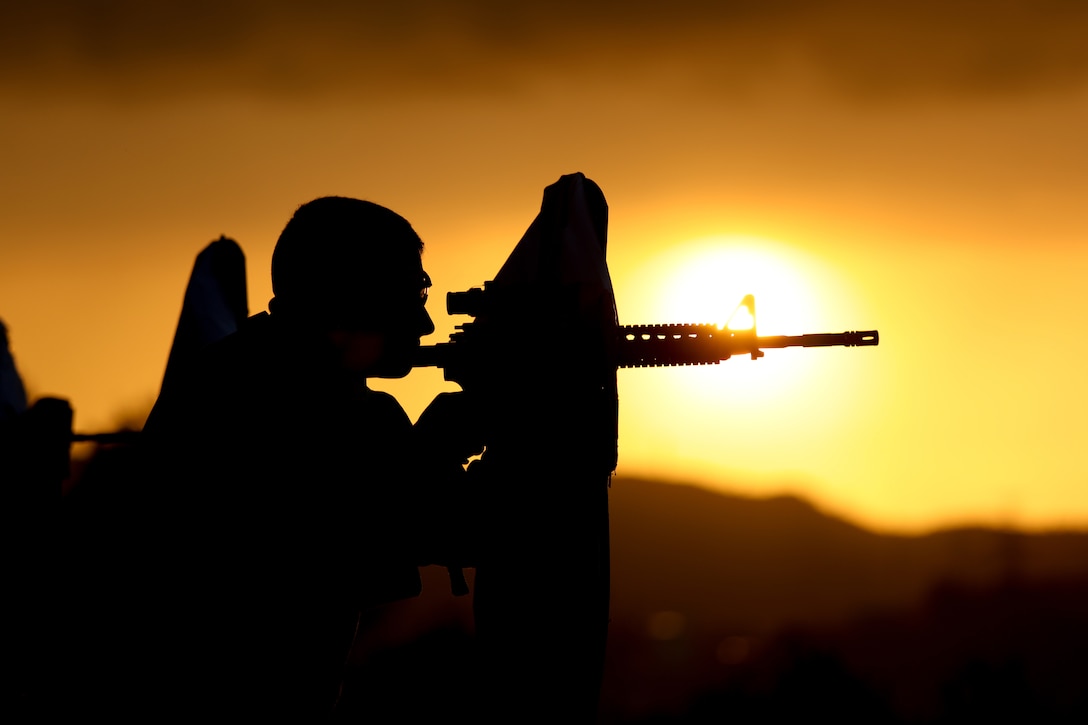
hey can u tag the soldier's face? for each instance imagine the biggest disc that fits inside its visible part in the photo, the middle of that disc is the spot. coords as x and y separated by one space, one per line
387 348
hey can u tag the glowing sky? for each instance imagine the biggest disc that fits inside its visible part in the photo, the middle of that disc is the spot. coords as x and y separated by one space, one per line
918 168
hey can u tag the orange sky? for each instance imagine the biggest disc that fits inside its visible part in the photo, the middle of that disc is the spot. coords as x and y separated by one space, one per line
918 171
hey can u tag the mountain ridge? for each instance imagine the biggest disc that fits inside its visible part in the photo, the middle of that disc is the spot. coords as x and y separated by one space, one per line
780 560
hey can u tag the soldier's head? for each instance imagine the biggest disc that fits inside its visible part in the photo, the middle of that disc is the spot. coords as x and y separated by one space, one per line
353 270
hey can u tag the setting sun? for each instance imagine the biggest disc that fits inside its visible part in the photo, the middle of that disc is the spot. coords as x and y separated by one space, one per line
739 415
708 280
704 281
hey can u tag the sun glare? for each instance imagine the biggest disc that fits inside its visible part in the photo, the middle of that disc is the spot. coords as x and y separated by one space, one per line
746 405
706 280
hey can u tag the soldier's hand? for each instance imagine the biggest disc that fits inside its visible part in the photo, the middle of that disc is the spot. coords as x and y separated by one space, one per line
451 428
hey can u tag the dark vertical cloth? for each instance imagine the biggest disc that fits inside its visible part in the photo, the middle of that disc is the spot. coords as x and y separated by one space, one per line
275 504
541 633
214 305
12 392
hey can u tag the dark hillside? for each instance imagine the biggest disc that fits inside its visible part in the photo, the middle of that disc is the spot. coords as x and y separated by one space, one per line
754 565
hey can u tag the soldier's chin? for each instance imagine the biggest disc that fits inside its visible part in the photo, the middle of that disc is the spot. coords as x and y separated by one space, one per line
391 366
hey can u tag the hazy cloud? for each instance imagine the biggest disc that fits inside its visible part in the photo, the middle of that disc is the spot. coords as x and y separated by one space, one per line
276 46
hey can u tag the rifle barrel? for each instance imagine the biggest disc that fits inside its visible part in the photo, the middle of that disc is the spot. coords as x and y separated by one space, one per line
858 338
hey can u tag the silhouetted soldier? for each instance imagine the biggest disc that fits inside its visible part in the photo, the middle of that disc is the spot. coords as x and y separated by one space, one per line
282 495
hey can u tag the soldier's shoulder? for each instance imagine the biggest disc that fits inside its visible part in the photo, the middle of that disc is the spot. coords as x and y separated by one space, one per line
252 338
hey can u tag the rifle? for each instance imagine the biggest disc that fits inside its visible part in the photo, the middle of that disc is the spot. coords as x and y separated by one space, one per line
541 354
637 346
